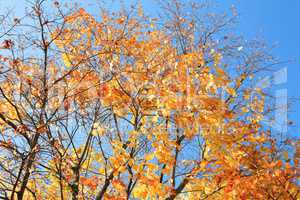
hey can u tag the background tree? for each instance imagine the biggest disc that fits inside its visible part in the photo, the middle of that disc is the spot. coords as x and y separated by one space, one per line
125 106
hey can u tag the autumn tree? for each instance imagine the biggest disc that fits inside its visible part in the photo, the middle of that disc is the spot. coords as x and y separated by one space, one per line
120 105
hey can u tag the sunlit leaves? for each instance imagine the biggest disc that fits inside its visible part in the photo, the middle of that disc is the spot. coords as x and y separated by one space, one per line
116 108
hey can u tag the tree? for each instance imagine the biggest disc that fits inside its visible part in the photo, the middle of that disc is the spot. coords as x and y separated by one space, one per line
125 106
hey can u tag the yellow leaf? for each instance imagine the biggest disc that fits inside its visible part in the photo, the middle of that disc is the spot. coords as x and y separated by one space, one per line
140 191
66 60
231 91
244 109
149 156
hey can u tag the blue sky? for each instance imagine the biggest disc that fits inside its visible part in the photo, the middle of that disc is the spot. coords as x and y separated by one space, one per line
276 20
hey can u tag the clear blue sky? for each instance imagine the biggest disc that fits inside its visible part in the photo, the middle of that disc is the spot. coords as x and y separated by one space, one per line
276 20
